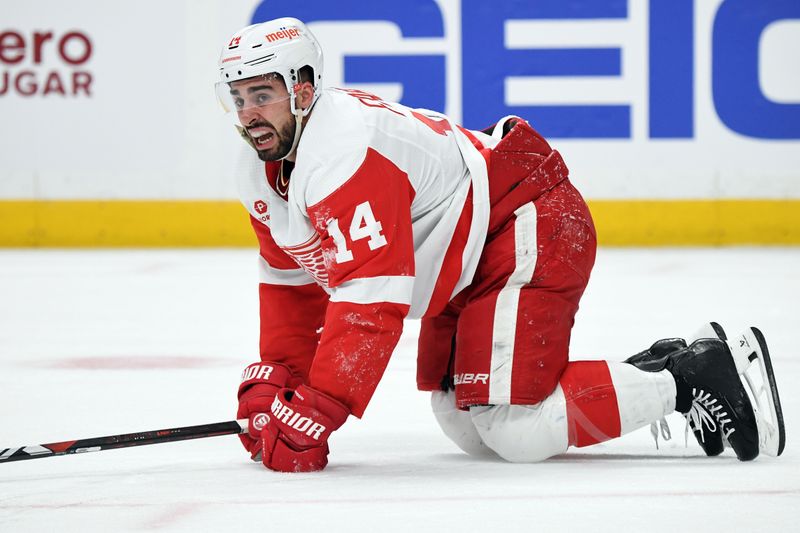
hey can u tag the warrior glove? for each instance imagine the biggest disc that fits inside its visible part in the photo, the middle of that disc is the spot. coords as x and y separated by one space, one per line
260 383
295 438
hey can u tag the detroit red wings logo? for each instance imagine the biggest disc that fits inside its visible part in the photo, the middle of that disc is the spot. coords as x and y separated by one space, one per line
309 256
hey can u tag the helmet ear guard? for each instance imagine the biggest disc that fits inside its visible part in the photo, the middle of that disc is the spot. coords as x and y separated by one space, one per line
294 93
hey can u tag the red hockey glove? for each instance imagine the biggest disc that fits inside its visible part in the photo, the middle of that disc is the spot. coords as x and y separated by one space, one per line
295 438
260 382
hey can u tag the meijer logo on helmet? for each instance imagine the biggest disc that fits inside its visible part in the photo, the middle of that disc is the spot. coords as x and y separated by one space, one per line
284 33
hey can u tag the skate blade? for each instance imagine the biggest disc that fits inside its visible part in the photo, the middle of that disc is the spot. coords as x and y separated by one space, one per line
751 355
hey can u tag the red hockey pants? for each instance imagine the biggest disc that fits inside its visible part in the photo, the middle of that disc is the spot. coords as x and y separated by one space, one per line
505 338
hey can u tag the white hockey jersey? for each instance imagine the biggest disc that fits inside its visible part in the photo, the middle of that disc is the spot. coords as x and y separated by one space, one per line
386 210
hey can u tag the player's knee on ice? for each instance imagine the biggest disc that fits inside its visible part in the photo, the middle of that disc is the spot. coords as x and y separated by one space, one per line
517 433
523 433
457 425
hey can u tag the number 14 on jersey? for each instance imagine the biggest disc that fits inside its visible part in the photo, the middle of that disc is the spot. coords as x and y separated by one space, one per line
362 226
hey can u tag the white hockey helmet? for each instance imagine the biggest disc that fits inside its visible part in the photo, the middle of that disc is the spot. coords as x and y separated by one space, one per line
281 46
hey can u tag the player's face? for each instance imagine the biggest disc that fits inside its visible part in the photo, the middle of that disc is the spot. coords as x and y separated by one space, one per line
262 104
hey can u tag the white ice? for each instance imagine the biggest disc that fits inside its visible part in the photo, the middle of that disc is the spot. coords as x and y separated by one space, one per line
96 343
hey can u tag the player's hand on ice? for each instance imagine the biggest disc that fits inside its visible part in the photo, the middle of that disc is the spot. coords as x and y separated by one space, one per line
295 438
260 383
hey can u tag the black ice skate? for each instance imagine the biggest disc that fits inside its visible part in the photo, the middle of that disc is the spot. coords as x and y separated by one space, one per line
750 353
703 425
709 389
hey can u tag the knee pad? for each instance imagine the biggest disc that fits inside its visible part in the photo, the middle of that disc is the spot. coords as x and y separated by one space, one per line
524 433
457 425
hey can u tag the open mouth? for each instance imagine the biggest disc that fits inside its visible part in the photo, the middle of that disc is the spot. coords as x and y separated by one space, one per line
262 137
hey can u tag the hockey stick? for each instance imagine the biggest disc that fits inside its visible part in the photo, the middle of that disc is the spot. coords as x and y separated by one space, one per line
111 442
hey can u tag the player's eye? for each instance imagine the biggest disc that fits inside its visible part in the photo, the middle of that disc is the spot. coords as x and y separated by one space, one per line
238 102
263 99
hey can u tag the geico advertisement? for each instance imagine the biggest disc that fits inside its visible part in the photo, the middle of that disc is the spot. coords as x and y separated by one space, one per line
645 98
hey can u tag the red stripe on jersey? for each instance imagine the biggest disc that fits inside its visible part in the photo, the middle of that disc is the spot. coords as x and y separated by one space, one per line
439 126
453 259
592 410
452 263
269 249
372 235
366 232
474 140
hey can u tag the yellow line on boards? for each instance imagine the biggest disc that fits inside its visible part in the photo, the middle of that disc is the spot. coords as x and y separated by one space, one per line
133 223
696 222
128 223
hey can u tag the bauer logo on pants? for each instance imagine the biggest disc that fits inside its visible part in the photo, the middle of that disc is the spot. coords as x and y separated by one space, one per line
469 379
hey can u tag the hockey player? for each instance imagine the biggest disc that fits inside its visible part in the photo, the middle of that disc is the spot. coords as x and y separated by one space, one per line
368 212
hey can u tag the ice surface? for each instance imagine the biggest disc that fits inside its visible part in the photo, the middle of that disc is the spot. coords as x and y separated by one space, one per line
98 343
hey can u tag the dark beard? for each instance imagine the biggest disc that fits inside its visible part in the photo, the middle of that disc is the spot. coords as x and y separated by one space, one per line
281 150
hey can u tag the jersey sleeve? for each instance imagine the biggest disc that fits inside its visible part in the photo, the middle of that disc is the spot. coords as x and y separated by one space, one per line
291 307
368 248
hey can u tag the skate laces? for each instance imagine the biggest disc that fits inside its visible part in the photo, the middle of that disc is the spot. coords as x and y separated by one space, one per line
661 427
706 414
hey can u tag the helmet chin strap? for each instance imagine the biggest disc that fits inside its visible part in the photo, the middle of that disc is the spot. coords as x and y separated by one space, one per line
298 118
299 113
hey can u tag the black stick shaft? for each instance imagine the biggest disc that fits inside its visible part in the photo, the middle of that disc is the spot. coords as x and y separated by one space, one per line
111 442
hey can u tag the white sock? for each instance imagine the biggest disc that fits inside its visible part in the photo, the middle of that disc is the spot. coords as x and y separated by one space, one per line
642 397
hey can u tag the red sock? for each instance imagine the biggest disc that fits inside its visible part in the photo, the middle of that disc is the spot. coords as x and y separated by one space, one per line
592 410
